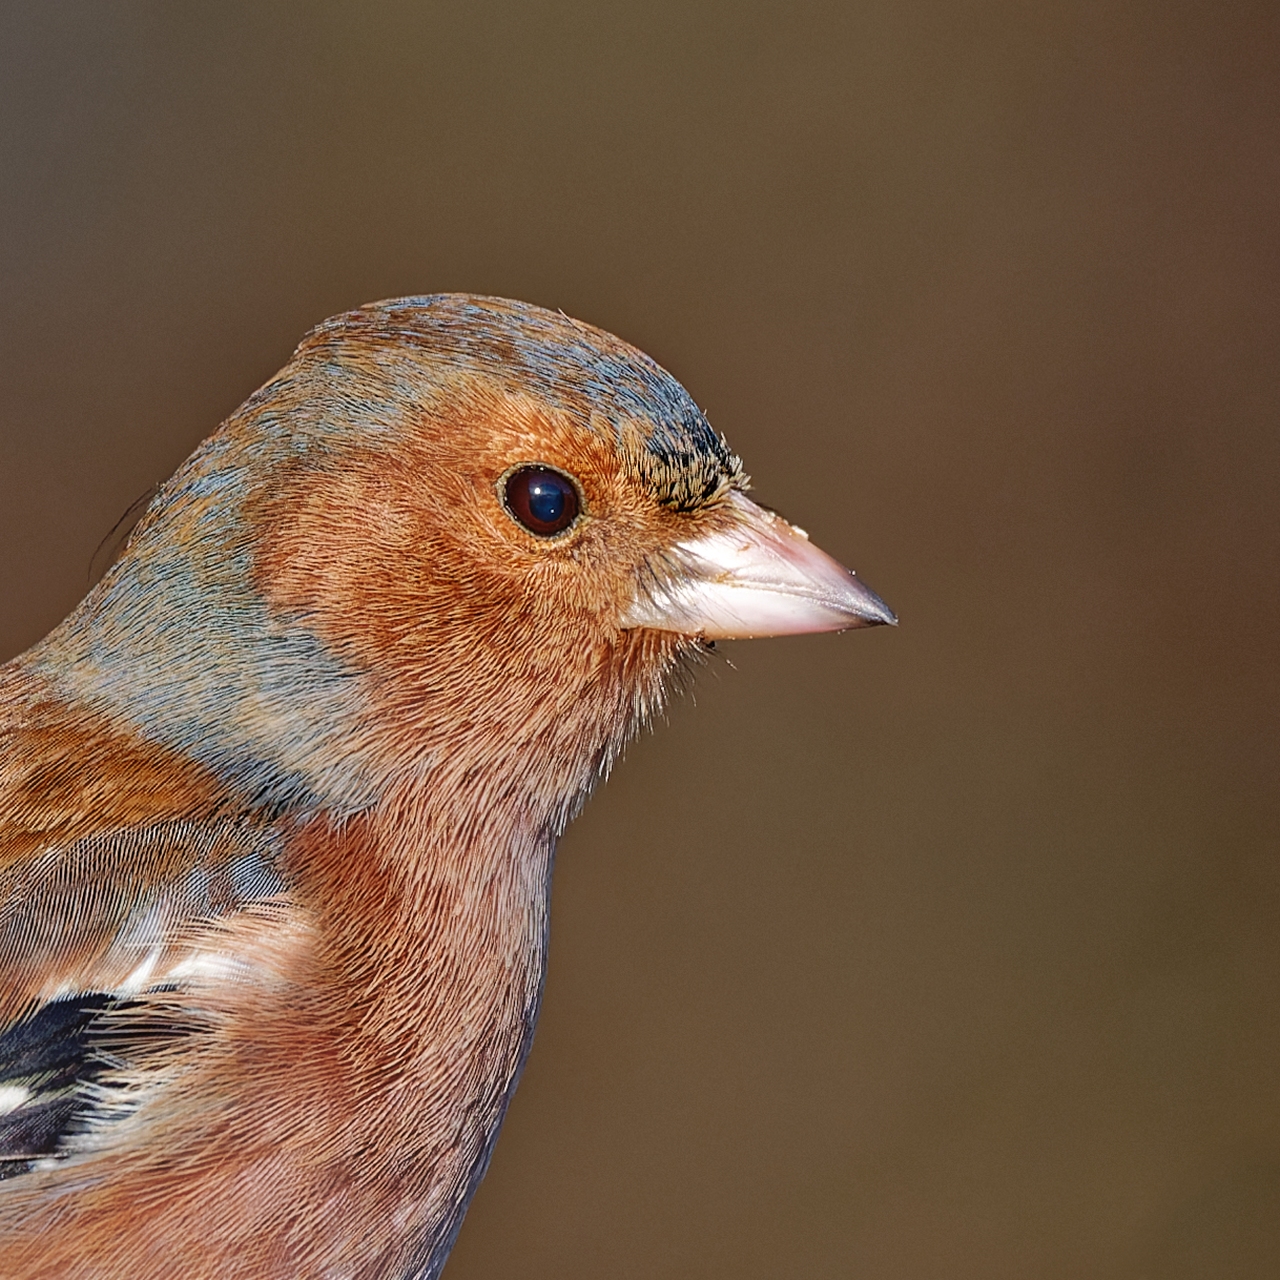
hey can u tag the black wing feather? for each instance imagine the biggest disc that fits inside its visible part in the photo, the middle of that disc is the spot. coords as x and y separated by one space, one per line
62 1056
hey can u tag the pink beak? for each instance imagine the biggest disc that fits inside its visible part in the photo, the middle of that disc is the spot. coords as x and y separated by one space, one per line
758 576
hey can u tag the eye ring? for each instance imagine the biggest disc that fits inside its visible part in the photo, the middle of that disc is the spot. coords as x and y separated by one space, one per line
544 500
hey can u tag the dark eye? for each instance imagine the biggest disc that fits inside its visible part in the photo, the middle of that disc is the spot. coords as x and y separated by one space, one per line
544 501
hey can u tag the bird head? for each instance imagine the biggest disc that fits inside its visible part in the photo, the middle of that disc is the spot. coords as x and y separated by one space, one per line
452 530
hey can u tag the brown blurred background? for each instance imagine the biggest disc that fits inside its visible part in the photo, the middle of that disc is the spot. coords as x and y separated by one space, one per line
945 952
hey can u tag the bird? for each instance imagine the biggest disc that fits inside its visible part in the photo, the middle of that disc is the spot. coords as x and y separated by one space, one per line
278 799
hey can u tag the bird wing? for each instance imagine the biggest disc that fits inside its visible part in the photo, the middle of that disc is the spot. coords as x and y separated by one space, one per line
123 873
114 910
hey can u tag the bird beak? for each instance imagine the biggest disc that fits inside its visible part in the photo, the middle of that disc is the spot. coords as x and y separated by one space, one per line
755 576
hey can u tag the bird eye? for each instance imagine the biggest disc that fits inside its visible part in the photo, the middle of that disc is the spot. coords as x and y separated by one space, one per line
546 502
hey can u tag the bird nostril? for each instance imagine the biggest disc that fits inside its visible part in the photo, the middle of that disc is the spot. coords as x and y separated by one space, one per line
543 500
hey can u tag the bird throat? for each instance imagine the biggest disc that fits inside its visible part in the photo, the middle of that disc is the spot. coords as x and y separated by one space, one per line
435 915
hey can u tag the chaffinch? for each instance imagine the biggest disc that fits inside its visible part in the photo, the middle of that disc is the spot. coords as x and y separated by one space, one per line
278 800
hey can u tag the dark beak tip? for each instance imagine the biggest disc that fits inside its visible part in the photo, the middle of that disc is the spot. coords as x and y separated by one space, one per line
866 622
870 609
